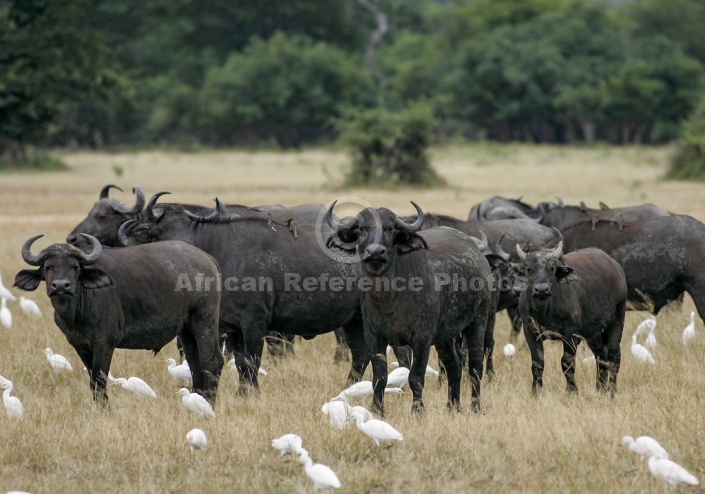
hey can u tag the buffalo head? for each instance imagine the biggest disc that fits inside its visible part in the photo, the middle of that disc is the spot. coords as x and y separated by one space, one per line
63 267
378 235
105 218
538 272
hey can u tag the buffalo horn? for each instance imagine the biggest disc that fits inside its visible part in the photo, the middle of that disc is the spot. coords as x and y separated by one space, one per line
122 236
221 208
332 222
416 225
27 255
559 201
499 250
95 253
521 253
152 202
139 202
556 253
481 244
106 190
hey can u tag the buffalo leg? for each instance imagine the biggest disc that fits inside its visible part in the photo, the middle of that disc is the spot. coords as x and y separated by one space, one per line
568 364
601 361
355 337
535 345
207 357
102 357
417 374
188 344
341 347
474 336
489 345
254 327
377 348
613 337
450 361
403 354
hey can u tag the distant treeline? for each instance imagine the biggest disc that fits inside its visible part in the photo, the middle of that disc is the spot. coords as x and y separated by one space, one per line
222 72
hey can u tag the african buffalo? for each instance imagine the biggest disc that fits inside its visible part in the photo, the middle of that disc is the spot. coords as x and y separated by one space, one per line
130 298
661 257
435 302
565 217
581 295
270 282
500 208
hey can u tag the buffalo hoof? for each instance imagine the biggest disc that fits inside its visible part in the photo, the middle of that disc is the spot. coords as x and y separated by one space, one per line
417 408
489 375
340 356
453 406
475 406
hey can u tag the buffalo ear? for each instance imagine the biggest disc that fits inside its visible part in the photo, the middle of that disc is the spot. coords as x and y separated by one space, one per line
95 278
409 242
29 279
566 274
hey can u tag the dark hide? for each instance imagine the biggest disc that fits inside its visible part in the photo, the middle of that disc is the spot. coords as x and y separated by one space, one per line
661 258
500 208
129 299
569 216
579 296
437 315
258 248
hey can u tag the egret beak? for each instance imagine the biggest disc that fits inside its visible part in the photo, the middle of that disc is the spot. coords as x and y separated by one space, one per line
163 361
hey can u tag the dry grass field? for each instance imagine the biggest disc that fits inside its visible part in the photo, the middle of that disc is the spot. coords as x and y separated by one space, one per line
553 443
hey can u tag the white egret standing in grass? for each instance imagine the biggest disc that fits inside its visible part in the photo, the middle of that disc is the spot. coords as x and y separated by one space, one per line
193 402
337 412
689 331
197 439
288 443
58 362
323 476
5 293
136 385
5 314
647 325
398 378
509 350
178 372
379 430
671 472
645 446
13 405
365 388
30 307
640 352
651 340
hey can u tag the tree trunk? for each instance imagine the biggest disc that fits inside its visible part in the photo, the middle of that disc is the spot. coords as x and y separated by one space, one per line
377 35
588 127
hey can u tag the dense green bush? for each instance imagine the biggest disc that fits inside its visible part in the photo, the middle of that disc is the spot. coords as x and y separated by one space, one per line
689 158
389 147
287 87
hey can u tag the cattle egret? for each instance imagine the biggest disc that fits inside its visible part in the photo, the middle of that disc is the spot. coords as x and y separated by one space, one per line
430 371
640 352
136 385
645 446
398 378
288 443
29 307
337 411
647 325
58 362
509 350
196 403
5 293
13 405
5 314
323 477
651 340
233 366
689 331
364 388
378 430
178 372
671 472
197 439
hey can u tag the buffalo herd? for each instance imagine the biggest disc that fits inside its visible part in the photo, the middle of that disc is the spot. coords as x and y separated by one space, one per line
136 276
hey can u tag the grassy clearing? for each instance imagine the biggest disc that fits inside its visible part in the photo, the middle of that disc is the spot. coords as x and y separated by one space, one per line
556 443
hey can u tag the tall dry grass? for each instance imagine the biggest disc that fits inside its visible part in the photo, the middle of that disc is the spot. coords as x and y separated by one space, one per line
554 443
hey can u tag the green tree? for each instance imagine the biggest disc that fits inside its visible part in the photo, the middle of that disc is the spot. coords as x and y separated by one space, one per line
45 61
689 159
288 87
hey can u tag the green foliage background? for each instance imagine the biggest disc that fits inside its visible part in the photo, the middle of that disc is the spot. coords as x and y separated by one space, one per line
220 73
